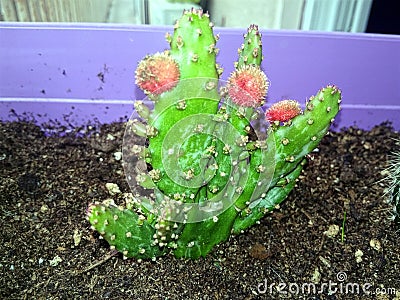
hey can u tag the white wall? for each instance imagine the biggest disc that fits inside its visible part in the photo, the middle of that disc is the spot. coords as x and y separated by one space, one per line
54 10
326 15
271 14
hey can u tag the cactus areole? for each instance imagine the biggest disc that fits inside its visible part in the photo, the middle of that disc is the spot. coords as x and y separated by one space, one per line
200 156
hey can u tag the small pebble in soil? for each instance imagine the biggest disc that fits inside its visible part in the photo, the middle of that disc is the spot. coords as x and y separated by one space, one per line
113 188
77 237
316 276
118 155
375 244
332 231
358 254
55 261
259 251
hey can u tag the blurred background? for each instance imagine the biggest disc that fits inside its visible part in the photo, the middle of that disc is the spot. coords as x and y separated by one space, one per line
374 16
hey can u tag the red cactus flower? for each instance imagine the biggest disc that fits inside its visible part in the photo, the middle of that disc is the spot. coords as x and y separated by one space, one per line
157 73
283 111
248 86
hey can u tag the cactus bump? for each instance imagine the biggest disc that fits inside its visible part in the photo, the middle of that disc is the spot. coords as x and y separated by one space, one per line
203 169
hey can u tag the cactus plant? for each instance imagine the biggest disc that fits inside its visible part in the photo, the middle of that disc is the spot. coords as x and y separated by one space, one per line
204 168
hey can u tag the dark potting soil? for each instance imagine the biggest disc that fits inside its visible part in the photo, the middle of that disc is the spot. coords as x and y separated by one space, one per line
47 250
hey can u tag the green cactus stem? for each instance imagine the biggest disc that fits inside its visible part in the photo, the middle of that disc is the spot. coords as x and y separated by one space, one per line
293 141
124 230
303 133
193 45
250 53
193 48
248 86
268 201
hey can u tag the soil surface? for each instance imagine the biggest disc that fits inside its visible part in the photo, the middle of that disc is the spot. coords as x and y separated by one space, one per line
48 251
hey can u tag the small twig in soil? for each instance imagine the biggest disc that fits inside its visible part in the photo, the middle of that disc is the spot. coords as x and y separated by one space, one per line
322 243
308 216
96 264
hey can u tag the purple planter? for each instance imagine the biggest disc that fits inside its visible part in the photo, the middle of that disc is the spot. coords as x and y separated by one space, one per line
80 73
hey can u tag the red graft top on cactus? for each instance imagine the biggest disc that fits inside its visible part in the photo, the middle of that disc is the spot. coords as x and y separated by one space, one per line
283 111
248 86
157 73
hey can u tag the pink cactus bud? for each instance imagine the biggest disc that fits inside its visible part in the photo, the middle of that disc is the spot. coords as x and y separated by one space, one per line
157 73
283 111
248 86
